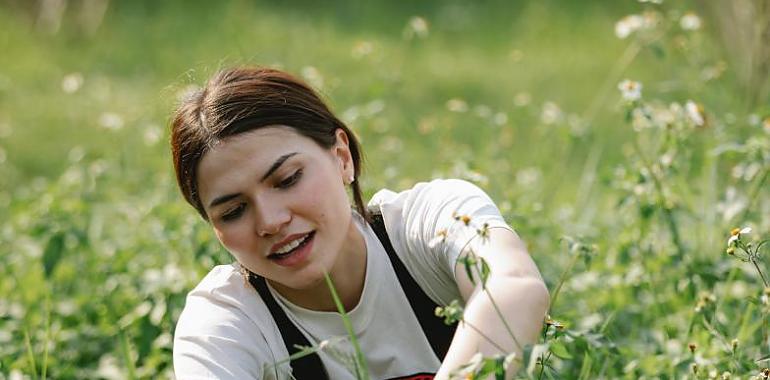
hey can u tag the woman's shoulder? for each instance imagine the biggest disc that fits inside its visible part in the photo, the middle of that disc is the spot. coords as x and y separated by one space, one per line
417 218
225 329
436 190
222 301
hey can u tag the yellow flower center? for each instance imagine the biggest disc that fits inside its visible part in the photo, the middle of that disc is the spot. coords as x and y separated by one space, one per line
735 231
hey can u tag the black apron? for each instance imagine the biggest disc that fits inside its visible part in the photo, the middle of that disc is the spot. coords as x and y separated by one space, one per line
310 367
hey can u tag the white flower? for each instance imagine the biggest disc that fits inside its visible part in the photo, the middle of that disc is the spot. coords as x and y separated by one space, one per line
111 121
690 21
628 25
457 105
417 27
732 204
551 113
72 82
313 76
152 135
467 370
631 90
735 235
753 120
440 238
522 99
362 49
695 113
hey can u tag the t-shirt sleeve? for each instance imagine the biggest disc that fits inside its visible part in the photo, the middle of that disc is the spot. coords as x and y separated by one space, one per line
431 224
215 339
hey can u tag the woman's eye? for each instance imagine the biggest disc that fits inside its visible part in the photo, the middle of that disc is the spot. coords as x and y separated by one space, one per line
233 213
290 180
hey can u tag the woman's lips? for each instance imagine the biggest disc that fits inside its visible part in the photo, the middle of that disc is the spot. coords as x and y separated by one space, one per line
287 240
297 255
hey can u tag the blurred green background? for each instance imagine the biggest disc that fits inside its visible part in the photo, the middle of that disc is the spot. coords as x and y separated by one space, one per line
132 62
98 249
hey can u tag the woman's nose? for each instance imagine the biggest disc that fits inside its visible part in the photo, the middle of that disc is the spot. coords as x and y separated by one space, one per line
271 218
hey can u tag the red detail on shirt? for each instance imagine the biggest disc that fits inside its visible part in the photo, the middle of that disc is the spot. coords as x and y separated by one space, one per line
417 376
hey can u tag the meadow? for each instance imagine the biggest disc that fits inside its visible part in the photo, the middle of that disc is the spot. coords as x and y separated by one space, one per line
627 142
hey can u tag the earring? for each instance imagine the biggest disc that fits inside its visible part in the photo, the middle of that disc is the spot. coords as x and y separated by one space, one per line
351 179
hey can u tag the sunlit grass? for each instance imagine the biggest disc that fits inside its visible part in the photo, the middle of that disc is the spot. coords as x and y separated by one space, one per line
97 249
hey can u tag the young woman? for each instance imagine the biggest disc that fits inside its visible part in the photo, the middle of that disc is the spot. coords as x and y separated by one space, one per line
260 156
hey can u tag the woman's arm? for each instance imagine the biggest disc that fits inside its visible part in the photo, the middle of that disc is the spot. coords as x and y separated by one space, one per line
517 289
418 218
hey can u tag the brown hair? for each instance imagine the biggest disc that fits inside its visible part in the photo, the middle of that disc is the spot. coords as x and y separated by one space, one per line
242 99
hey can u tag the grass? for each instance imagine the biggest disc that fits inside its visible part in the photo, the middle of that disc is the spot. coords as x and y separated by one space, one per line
97 248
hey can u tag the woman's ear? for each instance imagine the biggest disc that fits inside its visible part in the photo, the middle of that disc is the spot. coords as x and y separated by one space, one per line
341 151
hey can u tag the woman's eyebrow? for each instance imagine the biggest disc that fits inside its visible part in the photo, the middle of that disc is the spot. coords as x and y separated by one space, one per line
277 164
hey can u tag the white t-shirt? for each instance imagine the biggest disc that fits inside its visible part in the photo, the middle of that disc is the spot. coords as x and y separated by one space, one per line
226 332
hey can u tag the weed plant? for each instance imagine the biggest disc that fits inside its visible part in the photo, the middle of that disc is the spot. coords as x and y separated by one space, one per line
632 156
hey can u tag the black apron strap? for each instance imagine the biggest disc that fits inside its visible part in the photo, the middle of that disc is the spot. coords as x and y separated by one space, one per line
438 333
307 367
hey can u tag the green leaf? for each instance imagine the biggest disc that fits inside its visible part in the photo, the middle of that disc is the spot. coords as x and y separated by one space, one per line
560 350
585 369
658 50
54 251
468 264
484 271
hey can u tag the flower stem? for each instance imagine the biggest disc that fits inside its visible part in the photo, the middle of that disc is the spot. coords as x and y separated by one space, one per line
668 213
563 278
487 338
755 193
764 280
500 315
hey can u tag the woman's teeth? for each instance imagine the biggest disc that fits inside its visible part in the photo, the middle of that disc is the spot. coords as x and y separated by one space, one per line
291 245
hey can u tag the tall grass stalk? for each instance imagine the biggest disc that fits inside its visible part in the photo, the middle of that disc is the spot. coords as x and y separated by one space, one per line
30 353
44 368
563 278
662 202
126 351
362 370
755 191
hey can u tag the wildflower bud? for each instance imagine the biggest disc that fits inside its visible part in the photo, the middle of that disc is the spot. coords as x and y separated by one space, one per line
692 347
694 368
466 219
731 251
726 375
734 344
767 291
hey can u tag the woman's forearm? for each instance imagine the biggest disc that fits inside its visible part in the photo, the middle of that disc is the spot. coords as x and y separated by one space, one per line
522 301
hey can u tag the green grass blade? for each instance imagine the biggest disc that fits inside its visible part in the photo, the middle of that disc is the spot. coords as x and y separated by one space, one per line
30 354
361 367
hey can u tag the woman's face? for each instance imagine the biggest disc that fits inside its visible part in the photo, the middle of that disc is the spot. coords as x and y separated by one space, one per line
277 202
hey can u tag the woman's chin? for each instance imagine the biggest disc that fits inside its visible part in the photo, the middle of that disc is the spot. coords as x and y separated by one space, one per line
308 279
